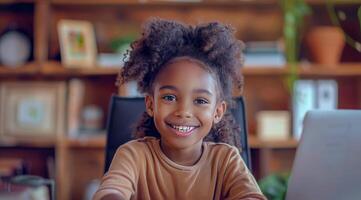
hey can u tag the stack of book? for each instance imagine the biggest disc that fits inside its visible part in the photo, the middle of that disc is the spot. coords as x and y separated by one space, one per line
264 54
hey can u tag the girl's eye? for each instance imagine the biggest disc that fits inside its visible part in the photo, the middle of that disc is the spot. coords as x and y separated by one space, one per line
169 97
201 101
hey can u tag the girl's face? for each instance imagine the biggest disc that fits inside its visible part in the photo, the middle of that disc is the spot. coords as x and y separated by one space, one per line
184 104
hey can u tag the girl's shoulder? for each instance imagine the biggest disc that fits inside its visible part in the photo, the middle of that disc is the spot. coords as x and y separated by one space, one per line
138 145
221 149
220 146
224 156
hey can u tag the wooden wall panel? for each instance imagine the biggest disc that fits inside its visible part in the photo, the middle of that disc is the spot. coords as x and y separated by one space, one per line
83 168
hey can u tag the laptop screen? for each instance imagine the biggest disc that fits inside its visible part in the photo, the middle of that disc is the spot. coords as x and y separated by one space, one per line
328 159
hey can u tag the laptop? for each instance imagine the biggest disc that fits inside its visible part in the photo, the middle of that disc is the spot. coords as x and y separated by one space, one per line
327 165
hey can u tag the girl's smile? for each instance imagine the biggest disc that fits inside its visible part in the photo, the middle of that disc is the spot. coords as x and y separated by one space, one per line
182 130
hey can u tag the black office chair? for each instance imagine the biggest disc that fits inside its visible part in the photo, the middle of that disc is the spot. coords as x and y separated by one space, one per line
124 113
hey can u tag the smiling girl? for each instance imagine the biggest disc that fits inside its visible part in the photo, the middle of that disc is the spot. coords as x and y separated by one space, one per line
187 74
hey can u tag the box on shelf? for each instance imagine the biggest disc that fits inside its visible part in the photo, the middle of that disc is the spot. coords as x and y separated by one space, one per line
273 125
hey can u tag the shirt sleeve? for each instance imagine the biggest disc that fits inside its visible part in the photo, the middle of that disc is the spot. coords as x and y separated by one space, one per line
239 183
122 175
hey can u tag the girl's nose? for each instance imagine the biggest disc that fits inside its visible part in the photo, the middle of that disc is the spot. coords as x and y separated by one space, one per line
184 110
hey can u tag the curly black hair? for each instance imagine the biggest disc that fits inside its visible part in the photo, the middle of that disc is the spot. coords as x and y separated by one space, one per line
213 44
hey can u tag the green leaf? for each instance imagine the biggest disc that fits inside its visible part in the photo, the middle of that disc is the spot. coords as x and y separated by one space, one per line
274 186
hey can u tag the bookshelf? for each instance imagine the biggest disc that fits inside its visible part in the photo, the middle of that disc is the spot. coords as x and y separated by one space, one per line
79 160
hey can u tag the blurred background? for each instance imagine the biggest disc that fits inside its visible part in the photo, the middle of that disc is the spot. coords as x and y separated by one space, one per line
59 61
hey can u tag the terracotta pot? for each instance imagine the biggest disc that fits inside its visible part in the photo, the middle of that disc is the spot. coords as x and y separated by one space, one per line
325 44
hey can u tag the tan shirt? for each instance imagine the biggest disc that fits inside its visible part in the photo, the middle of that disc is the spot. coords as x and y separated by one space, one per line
140 170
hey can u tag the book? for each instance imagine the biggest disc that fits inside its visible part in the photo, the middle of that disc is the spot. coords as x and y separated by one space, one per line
264 54
263 46
310 95
304 99
271 59
327 94
75 105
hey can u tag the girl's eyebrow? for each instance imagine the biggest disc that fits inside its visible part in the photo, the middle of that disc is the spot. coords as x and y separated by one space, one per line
170 87
203 91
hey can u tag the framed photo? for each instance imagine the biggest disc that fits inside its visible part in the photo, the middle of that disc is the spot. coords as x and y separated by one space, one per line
32 109
77 43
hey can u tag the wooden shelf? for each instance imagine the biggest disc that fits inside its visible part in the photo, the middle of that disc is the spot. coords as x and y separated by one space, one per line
323 2
306 70
255 143
33 143
167 3
52 68
190 3
264 70
29 69
8 2
87 142
99 141
55 69
344 69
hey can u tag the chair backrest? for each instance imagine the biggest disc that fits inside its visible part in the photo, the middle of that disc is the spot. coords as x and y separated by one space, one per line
124 112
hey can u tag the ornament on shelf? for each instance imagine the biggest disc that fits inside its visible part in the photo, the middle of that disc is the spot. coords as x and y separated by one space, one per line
15 47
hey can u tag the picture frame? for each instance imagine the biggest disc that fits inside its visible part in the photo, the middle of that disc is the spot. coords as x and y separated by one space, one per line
31 110
77 43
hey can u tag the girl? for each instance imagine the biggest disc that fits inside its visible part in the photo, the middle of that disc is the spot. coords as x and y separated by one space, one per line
186 74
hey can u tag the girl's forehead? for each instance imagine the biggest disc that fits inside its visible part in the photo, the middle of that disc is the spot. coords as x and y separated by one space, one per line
184 69
188 59
185 75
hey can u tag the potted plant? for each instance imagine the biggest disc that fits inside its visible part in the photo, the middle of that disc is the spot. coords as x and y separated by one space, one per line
122 44
294 12
274 186
326 42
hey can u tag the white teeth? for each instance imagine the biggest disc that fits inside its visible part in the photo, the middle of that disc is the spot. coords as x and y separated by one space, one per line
183 128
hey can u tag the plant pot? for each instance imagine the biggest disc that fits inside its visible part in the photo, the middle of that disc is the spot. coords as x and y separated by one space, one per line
325 44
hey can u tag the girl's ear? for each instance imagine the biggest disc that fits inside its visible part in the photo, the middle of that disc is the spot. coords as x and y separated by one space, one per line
149 105
220 110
